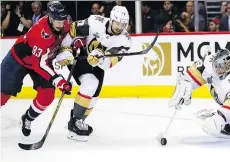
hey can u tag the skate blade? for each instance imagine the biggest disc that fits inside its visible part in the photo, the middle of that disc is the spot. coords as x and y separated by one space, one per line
76 137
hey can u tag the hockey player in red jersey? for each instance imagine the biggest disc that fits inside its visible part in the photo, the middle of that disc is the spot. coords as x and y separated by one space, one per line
33 54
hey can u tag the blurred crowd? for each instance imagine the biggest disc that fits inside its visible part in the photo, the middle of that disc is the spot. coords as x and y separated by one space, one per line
167 16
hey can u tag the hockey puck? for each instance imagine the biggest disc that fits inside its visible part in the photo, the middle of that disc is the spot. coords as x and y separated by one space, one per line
163 141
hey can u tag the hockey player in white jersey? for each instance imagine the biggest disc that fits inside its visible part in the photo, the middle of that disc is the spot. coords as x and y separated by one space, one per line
103 36
214 70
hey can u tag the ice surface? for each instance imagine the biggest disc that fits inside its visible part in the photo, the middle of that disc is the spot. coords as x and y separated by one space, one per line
124 130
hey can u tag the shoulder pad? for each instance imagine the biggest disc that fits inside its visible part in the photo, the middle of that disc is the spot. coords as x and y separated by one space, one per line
79 28
97 18
199 63
72 30
97 23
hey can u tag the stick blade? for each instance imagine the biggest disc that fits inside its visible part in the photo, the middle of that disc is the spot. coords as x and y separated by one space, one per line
160 136
34 146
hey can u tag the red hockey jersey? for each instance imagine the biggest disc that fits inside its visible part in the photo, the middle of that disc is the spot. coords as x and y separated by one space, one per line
38 47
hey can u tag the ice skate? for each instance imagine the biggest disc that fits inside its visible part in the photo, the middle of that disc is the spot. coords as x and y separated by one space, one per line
25 125
78 130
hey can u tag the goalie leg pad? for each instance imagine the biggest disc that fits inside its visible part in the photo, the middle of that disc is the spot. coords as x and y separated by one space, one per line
215 124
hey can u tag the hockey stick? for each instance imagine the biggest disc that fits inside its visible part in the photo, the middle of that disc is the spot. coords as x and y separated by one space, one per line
39 144
161 137
145 51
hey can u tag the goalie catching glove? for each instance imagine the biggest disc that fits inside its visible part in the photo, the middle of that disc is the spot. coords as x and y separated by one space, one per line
182 93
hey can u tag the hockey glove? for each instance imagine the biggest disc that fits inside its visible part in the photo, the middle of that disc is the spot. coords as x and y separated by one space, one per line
65 56
62 84
182 93
93 58
67 61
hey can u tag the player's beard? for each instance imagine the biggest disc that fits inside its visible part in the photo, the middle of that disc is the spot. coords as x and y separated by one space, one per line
58 32
117 32
55 31
58 28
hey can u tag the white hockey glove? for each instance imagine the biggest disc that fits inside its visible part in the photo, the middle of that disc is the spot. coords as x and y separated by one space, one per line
93 58
182 93
65 58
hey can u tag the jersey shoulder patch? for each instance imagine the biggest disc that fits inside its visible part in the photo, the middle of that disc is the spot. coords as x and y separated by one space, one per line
97 23
97 19
40 35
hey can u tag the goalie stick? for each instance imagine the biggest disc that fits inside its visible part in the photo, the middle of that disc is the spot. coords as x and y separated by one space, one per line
39 144
145 51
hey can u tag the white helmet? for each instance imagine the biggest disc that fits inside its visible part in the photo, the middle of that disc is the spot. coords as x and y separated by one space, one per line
119 14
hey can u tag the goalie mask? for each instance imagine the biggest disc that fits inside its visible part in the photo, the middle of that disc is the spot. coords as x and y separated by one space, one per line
221 63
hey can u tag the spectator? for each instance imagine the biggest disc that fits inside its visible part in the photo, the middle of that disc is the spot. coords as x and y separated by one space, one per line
214 25
4 12
202 14
107 7
223 9
95 10
183 23
37 11
225 20
16 22
165 18
148 18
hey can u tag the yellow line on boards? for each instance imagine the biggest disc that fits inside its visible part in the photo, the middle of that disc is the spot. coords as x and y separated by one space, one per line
147 91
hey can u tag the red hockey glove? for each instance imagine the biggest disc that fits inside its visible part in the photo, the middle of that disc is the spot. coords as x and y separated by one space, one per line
62 84
65 86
